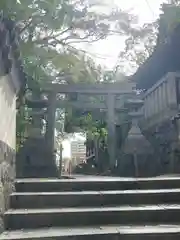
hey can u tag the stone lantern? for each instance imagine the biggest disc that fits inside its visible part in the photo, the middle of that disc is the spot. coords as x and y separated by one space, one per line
35 159
136 148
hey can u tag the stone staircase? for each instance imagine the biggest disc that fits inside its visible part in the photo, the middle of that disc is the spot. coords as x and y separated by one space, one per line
94 208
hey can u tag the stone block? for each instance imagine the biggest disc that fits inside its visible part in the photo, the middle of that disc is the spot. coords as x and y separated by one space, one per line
34 160
7 176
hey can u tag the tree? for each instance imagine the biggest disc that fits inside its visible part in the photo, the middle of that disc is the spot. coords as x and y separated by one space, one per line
51 34
168 20
140 42
114 75
50 31
139 46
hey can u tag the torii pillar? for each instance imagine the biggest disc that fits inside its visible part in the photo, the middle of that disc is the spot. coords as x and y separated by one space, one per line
50 126
49 135
111 129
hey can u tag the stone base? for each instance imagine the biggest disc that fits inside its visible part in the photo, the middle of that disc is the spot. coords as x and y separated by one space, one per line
146 166
38 172
34 160
7 176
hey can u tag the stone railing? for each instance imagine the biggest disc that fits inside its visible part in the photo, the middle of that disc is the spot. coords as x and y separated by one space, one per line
161 101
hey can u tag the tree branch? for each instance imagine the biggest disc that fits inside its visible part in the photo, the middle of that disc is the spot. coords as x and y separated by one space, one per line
25 27
84 40
47 38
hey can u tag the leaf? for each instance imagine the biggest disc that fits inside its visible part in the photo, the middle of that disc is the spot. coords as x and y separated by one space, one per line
47 30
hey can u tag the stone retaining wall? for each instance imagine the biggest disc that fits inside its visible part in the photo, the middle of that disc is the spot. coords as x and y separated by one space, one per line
7 142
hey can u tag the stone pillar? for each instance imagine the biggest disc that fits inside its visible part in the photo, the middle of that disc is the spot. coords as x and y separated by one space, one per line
37 114
60 159
111 129
172 158
36 126
96 143
50 127
175 168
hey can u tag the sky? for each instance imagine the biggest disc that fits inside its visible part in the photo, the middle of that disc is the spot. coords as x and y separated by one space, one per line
105 52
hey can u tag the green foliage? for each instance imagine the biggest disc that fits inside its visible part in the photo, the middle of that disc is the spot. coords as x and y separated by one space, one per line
95 129
51 36
50 31
141 41
114 75
169 19
139 46
92 122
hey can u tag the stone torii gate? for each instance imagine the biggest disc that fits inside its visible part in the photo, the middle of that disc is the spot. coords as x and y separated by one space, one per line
110 90
39 150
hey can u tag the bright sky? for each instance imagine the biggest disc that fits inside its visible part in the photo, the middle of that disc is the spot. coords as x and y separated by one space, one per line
108 50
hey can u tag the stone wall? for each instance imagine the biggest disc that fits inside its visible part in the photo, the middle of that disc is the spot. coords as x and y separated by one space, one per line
7 141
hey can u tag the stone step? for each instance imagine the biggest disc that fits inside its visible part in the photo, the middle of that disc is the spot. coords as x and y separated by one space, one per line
69 217
95 184
157 232
93 198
